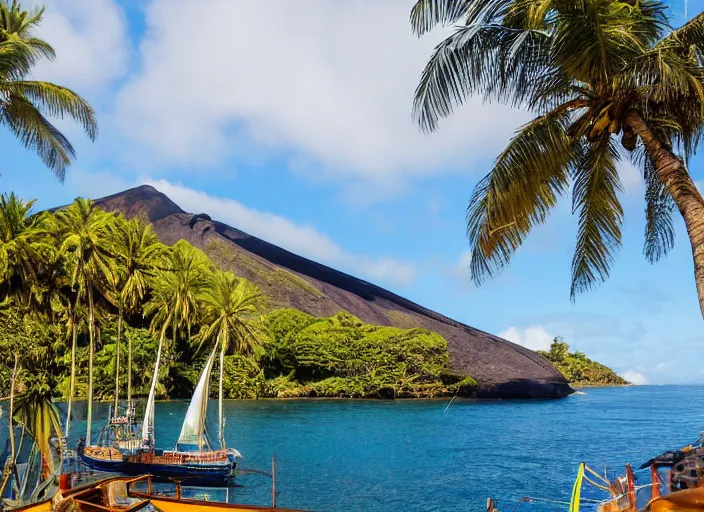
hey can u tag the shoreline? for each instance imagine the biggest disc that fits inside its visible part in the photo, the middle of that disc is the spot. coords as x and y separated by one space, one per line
593 386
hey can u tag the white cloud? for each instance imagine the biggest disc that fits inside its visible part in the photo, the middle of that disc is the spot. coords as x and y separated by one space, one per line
303 240
90 40
631 177
327 84
462 267
635 377
534 337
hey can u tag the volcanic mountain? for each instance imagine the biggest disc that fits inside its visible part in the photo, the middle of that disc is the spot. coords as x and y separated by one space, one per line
502 369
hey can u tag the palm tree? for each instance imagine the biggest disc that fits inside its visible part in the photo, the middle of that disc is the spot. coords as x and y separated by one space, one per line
590 70
139 253
23 244
25 103
233 320
175 300
87 231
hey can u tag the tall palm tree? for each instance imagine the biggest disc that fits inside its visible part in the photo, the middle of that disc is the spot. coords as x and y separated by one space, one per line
590 70
139 253
87 230
175 300
233 320
25 103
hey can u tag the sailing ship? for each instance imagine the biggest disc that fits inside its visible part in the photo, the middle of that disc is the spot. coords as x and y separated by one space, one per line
192 458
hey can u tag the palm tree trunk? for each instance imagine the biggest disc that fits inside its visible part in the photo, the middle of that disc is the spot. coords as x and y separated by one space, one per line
91 326
72 381
148 425
675 177
129 370
12 406
117 360
221 418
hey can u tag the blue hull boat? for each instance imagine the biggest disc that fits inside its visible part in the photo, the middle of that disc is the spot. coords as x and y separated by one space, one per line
177 465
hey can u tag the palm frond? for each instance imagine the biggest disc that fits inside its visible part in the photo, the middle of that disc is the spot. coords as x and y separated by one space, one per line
518 193
684 39
491 60
594 39
595 200
427 14
37 134
57 101
659 207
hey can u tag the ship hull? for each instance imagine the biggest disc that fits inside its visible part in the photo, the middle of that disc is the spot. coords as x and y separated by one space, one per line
201 473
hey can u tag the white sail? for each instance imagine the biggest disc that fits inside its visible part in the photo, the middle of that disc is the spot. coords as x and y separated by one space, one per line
148 423
193 429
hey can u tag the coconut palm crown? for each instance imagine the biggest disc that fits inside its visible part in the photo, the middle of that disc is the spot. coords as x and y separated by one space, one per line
593 72
24 104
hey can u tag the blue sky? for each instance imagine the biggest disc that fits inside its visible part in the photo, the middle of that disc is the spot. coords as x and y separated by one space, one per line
292 121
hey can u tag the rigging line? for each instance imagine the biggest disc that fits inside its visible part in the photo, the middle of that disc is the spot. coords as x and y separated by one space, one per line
449 404
598 486
686 10
597 475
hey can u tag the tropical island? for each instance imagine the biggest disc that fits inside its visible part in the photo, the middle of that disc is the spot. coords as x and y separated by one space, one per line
89 293
578 369
86 292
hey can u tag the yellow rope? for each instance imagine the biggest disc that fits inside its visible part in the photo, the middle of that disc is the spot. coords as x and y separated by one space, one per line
577 489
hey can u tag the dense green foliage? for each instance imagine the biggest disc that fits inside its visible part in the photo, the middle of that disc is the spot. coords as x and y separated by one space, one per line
302 356
578 369
82 289
342 356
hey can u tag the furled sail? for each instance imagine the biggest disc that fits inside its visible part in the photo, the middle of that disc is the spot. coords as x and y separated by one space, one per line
193 429
148 423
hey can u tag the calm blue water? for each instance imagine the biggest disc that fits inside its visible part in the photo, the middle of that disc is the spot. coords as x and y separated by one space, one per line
409 456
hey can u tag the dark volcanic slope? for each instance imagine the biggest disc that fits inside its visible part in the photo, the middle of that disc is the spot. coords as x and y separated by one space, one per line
502 368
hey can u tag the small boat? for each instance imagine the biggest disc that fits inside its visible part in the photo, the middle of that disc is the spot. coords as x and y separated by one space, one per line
123 494
192 458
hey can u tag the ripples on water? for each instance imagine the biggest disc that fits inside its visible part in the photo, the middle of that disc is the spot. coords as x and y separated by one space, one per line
409 456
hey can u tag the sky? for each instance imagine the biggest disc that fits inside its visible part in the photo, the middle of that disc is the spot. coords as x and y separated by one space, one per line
292 121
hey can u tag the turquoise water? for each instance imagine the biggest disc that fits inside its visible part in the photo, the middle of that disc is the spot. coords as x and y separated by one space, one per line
410 456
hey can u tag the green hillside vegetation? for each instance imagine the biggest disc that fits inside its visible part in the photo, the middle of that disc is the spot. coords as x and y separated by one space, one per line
578 369
85 270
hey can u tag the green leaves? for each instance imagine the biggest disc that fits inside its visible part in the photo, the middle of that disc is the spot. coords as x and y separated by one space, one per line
232 315
578 369
24 103
343 356
494 61
518 193
85 233
659 206
595 200
584 66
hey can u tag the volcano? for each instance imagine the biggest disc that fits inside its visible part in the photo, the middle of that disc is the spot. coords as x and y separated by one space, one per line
502 369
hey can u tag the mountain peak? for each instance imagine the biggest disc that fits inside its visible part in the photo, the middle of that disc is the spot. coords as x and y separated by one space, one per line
142 200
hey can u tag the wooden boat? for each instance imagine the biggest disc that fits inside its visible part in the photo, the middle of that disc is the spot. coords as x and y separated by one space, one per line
192 457
122 494
688 500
